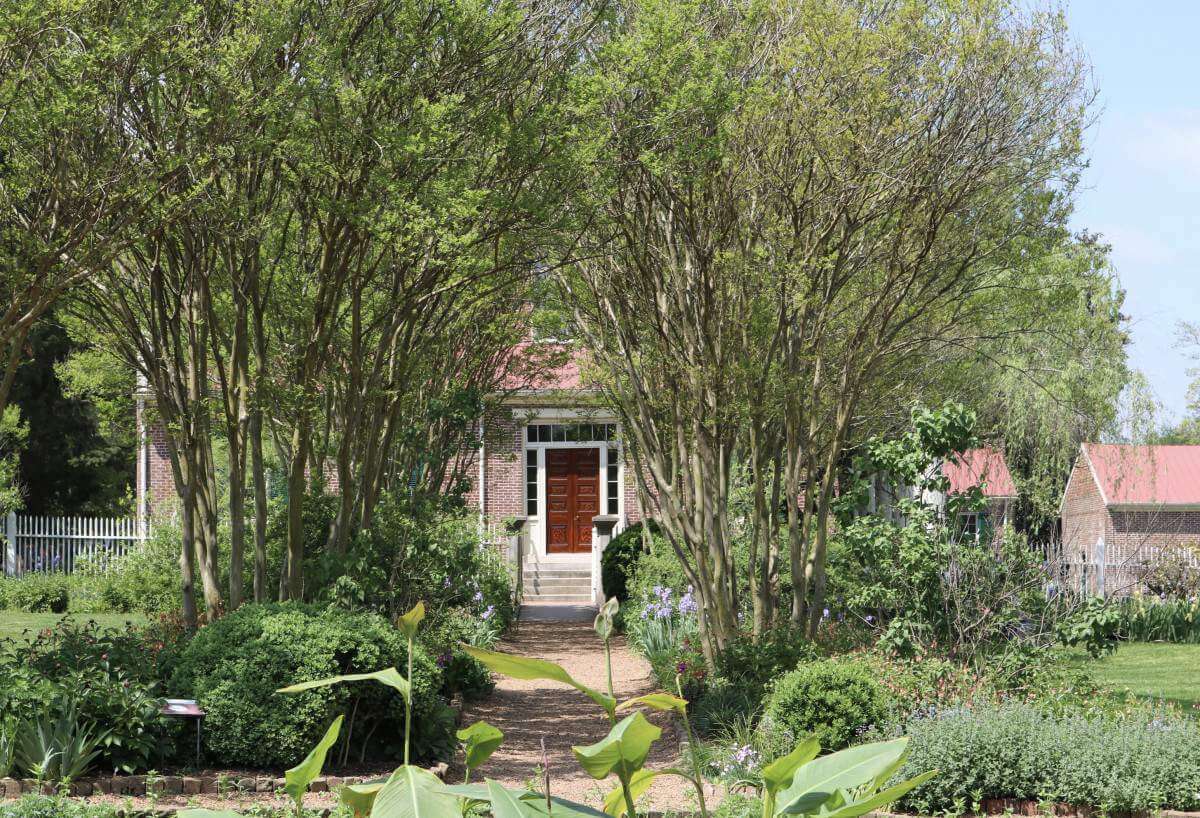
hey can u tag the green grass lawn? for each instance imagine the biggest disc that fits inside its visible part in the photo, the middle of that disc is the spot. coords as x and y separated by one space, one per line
13 624
1152 671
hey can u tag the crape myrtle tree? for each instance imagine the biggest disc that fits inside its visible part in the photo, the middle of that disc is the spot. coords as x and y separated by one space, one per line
793 202
207 113
354 197
423 171
68 190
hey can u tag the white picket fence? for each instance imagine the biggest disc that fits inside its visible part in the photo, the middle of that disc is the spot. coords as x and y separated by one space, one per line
66 543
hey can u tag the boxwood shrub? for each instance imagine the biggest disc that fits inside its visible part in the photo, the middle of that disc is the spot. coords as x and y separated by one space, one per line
834 699
618 563
234 666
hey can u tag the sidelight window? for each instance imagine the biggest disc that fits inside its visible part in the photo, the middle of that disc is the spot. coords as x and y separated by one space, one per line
612 481
531 482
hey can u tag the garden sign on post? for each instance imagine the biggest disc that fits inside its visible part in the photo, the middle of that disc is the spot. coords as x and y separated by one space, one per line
186 709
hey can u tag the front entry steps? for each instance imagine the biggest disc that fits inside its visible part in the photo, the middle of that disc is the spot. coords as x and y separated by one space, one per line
558 581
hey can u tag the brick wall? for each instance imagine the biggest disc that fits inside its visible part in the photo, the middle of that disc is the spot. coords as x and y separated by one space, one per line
1132 537
504 495
1084 516
1136 537
154 465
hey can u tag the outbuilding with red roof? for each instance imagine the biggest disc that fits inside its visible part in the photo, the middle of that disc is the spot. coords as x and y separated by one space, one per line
986 468
1126 506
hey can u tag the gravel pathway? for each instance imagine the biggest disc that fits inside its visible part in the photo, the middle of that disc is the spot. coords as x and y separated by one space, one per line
529 712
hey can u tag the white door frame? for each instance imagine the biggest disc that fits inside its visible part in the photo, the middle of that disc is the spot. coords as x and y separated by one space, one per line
537 523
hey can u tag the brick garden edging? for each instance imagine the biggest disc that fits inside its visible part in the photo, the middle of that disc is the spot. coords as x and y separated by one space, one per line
141 785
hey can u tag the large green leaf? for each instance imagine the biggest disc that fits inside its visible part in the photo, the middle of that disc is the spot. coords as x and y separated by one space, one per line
816 782
299 777
779 773
562 808
623 750
199 812
388 676
506 804
879 799
479 792
360 797
658 701
414 793
409 622
480 740
523 667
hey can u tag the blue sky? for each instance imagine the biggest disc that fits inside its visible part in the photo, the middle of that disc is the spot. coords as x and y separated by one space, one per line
1143 188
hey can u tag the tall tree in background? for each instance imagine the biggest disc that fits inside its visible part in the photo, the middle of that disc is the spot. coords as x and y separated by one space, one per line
1187 431
354 199
422 176
70 186
877 178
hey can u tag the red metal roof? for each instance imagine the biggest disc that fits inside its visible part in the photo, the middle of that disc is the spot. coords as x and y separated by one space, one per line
980 467
1146 475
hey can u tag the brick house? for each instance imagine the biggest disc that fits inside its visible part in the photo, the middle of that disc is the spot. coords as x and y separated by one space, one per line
553 455
1125 506
550 453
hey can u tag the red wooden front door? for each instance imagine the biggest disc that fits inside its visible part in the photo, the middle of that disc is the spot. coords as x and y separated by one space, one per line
572 499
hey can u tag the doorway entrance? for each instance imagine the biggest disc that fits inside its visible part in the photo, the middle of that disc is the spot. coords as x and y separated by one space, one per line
572 499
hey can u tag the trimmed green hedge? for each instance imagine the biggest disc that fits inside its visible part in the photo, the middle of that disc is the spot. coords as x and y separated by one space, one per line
234 666
619 562
834 700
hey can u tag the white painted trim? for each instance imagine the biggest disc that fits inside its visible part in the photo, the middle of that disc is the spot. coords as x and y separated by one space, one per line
482 475
537 528
541 415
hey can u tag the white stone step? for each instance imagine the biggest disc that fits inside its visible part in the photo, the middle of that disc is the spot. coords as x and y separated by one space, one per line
580 575
570 599
557 584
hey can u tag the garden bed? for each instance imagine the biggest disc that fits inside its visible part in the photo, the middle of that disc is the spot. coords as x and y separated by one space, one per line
208 783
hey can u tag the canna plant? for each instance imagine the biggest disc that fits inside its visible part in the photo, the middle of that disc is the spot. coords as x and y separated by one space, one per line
479 740
846 784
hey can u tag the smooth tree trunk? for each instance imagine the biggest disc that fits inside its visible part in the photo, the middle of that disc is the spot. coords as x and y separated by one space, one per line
297 484
259 478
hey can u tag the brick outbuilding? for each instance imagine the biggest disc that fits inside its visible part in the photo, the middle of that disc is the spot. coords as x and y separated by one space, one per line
1125 507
